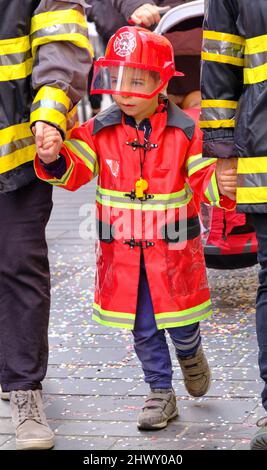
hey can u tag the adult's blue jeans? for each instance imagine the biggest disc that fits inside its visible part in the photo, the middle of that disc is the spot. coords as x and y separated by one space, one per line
150 343
260 222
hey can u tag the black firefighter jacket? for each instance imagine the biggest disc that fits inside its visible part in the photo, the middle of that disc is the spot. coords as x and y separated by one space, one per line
234 93
44 62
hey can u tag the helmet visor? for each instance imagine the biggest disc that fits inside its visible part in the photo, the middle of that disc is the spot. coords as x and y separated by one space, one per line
126 80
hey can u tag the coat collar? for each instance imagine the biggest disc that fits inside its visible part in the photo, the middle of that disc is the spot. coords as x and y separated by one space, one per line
176 118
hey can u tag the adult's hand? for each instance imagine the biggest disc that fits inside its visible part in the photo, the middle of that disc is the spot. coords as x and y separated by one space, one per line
38 130
226 175
147 15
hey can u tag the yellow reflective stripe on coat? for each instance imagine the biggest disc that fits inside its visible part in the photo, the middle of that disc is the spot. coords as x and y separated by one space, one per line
255 70
163 320
84 152
222 47
184 317
252 180
160 202
60 25
17 146
15 58
212 193
197 162
111 318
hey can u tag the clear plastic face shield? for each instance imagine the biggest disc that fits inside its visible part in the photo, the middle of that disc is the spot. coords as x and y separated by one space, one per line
126 80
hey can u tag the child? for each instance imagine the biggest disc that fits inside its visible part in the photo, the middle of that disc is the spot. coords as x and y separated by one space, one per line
150 266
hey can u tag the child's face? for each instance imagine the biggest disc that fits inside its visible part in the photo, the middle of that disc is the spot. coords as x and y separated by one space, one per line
135 81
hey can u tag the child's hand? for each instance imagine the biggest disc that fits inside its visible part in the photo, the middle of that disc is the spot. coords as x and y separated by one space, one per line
48 141
226 175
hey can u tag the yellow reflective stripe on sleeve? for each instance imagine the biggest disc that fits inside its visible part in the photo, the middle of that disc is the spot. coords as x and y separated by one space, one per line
223 48
63 180
212 193
62 25
52 18
217 113
84 152
217 124
197 162
224 37
224 59
52 93
73 38
49 115
219 104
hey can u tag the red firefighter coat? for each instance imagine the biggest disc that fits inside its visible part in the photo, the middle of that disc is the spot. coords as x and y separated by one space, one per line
161 219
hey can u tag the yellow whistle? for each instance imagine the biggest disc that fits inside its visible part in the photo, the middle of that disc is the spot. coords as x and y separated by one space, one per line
140 186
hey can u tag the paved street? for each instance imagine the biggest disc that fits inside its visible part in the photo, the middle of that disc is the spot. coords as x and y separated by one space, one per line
94 387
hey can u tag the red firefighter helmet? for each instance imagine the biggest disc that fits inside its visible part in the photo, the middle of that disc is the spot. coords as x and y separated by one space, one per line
137 62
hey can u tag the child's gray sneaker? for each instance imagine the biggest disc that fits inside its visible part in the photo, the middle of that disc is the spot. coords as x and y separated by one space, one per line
259 441
32 430
159 408
196 372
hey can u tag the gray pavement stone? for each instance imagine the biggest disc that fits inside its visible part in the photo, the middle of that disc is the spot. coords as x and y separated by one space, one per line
82 443
173 444
217 410
87 387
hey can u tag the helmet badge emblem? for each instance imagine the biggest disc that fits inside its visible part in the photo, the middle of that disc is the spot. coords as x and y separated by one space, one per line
125 44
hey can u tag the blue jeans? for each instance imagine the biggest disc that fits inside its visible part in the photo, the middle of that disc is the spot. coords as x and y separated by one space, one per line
150 343
260 221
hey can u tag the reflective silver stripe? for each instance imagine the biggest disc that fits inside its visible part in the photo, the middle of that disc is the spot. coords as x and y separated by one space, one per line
211 192
57 29
107 318
51 104
177 319
20 144
81 149
211 250
217 114
194 336
137 202
197 162
248 247
255 60
121 198
126 200
185 347
250 180
14 59
223 47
